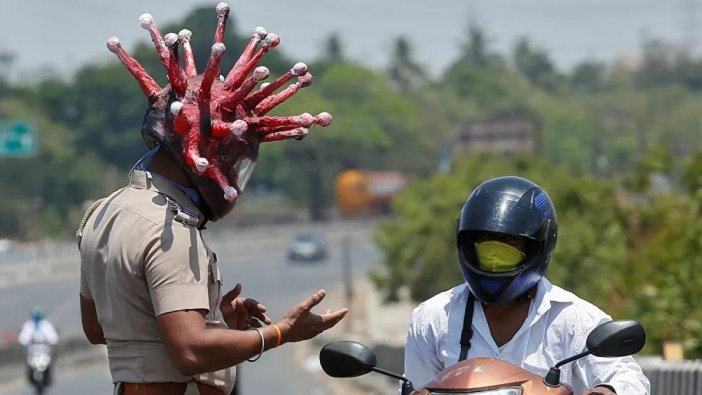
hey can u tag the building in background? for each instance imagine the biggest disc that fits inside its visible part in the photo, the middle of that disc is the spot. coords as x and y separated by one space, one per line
505 136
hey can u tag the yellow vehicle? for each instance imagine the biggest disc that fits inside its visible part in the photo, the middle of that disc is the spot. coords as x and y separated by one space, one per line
360 192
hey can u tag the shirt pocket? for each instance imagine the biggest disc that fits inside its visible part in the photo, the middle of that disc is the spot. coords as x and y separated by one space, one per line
214 287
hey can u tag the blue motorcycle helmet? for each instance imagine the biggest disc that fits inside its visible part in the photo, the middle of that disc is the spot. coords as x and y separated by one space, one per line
510 206
37 314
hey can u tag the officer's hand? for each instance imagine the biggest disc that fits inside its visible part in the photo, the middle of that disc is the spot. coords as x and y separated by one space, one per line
301 324
242 313
599 391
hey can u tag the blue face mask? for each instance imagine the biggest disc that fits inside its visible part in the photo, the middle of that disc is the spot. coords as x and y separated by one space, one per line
144 160
191 193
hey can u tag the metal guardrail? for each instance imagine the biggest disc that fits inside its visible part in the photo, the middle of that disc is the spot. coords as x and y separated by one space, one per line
672 377
53 252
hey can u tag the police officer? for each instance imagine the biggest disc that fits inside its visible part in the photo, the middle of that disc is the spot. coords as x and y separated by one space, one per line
150 285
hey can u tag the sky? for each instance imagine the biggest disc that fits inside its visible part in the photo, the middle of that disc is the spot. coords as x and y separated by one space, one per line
59 36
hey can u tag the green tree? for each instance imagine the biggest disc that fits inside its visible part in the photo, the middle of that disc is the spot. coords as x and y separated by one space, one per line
404 71
419 244
535 64
43 195
588 77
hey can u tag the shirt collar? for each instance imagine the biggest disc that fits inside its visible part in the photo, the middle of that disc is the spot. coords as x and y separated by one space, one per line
547 294
150 181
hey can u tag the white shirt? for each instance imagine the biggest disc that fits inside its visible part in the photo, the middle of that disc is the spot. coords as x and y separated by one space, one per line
43 333
556 328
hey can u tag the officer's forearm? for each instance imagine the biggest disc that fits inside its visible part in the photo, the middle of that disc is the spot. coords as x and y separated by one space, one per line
195 349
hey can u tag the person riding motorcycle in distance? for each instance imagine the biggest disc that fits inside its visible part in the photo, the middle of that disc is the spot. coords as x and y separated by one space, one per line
506 309
150 285
38 330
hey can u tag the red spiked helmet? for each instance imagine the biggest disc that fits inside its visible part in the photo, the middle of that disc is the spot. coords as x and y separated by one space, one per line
213 125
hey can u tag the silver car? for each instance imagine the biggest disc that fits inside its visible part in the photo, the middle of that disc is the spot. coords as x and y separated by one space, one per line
307 247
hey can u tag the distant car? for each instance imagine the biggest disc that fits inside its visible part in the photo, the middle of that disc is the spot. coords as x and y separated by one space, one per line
307 247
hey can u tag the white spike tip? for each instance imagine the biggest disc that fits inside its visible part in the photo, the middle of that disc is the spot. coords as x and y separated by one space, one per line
260 32
185 34
261 73
113 44
272 40
146 20
239 126
230 193
176 106
201 164
323 119
299 68
170 39
222 8
218 49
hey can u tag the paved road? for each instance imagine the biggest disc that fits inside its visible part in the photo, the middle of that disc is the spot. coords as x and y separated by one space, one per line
264 275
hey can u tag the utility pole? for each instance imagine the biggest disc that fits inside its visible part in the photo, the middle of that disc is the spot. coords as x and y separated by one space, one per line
6 60
689 25
347 278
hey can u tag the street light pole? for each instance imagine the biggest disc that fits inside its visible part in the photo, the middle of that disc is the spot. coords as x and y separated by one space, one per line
347 278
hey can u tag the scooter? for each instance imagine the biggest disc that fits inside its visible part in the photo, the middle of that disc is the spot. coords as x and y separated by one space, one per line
39 364
488 376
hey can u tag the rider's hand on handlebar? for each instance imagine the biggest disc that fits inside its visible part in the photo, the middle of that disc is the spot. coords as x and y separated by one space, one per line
301 324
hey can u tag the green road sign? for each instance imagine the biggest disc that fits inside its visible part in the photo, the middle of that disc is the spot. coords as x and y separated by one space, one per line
18 139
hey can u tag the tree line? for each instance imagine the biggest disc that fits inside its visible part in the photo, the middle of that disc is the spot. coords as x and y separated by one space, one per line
620 158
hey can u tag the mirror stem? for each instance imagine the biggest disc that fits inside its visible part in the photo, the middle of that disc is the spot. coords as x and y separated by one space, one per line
407 387
573 358
553 378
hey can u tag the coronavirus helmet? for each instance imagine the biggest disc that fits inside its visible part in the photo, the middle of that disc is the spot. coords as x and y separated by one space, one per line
210 124
512 206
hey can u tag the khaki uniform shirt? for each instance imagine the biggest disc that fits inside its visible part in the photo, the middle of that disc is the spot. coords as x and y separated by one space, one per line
141 256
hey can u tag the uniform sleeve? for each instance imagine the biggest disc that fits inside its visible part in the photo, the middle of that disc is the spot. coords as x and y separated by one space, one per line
623 374
421 356
176 268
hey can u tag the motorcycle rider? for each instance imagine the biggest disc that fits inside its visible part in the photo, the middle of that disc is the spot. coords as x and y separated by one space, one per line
506 309
38 330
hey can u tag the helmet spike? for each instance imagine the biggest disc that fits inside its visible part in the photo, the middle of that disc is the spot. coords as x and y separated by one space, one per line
191 149
258 35
263 124
230 192
272 101
148 85
230 101
147 22
176 76
236 76
211 71
184 36
266 90
296 133
222 15
221 129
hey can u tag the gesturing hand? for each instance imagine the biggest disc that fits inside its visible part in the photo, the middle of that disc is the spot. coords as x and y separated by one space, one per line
301 324
239 312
